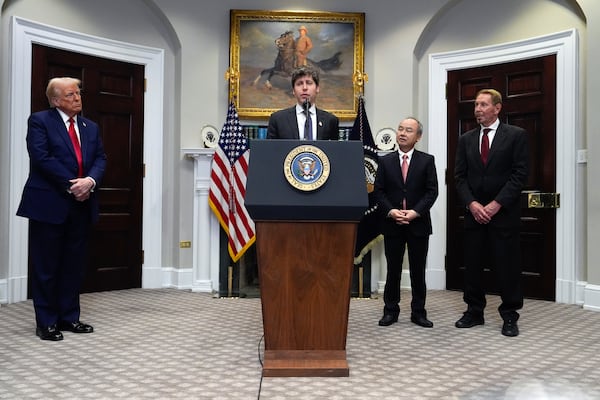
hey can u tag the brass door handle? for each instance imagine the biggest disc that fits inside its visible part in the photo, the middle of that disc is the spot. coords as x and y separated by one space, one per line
543 200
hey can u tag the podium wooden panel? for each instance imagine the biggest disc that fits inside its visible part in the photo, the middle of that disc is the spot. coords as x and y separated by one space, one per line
305 273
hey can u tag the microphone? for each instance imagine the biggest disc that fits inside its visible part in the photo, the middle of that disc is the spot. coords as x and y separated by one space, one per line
306 105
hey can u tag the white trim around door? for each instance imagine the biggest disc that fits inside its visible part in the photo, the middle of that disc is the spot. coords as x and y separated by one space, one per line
24 34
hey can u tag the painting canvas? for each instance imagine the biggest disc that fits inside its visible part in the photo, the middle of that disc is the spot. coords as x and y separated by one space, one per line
263 54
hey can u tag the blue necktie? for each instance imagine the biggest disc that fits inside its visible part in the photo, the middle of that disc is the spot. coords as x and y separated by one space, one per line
308 134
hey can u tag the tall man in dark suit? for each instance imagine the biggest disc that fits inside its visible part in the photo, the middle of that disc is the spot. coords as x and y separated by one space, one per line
490 172
66 163
293 123
406 187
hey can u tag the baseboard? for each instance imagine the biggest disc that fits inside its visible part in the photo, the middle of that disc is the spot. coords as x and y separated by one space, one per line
152 277
13 290
3 291
178 278
592 297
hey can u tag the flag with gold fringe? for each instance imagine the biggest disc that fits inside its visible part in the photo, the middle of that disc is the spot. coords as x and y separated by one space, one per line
228 185
369 231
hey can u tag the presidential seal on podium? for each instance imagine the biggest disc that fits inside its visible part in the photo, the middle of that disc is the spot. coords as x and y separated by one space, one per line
306 167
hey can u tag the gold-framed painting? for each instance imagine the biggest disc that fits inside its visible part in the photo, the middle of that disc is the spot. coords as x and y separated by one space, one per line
263 53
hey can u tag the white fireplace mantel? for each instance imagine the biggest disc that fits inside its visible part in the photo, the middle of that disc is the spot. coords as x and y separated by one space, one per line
205 245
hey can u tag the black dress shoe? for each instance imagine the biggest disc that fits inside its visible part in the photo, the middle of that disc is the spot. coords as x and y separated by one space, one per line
469 320
510 328
77 327
49 333
388 319
421 320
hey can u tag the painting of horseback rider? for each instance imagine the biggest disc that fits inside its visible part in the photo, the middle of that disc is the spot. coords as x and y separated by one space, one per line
267 50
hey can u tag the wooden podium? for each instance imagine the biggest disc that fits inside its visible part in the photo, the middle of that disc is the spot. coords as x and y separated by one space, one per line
305 250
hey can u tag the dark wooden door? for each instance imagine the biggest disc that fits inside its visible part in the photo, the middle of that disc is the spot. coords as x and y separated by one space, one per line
528 88
113 96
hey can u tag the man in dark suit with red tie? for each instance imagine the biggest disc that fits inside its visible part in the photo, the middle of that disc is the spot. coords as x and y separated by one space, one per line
293 123
490 172
406 187
66 164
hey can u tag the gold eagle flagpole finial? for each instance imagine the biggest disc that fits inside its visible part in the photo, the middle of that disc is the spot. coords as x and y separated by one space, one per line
232 76
359 79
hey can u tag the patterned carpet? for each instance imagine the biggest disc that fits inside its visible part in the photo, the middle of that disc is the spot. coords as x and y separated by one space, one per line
175 344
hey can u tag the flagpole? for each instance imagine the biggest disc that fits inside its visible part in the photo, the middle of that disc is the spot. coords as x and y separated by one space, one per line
231 75
227 189
369 232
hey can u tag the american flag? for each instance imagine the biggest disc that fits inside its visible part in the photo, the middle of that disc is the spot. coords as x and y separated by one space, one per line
369 232
228 185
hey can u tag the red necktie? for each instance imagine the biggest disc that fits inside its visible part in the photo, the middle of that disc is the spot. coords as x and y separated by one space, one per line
404 173
485 146
76 146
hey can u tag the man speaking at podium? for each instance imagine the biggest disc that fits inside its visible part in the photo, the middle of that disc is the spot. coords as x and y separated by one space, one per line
304 121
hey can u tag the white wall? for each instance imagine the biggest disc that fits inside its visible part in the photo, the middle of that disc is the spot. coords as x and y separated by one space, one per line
592 128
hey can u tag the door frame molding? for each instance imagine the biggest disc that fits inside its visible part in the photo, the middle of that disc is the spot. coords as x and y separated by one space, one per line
568 122
24 34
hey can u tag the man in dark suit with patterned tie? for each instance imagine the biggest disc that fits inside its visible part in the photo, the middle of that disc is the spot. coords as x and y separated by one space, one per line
490 172
66 164
406 187
293 123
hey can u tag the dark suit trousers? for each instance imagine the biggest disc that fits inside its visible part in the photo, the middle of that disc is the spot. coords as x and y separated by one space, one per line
417 246
501 248
58 257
